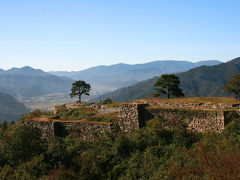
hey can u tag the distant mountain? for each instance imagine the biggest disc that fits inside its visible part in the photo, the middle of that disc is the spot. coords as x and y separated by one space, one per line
207 63
200 81
10 108
208 81
26 71
122 75
30 82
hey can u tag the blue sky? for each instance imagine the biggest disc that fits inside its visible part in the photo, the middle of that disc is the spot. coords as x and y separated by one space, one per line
74 35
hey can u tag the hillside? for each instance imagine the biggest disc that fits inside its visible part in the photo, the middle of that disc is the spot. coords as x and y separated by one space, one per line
31 82
10 108
122 75
200 81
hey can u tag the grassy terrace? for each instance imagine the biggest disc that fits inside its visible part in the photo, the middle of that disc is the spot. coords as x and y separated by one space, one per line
78 114
204 100
190 108
47 119
111 105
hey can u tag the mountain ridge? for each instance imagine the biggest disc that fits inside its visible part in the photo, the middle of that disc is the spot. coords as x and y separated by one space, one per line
10 108
199 81
27 81
126 74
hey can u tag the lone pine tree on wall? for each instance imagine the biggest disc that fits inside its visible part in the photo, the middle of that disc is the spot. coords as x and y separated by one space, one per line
233 85
168 85
79 88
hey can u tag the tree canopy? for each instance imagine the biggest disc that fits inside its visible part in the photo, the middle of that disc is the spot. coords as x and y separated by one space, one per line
108 101
79 88
168 85
233 85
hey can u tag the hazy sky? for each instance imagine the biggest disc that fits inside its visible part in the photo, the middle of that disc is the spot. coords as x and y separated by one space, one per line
73 35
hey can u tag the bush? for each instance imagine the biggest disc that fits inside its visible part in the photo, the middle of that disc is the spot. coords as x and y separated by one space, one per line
34 114
108 101
20 143
109 117
77 114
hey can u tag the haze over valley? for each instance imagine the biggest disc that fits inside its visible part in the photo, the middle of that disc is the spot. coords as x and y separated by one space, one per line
119 90
42 90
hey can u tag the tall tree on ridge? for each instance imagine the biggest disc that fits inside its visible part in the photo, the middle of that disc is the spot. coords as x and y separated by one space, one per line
233 85
79 88
168 84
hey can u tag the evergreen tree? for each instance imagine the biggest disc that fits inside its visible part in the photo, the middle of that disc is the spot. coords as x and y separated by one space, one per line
233 85
168 84
79 88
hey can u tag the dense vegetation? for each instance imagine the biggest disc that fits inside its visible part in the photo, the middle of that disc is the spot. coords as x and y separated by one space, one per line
168 84
149 153
204 81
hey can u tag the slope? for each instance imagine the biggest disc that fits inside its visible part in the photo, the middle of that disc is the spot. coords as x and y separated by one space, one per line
200 81
122 75
30 82
10 108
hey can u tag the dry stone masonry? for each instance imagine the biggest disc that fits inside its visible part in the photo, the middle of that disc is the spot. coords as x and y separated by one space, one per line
131 116
135 115
198 117
188 105
84 130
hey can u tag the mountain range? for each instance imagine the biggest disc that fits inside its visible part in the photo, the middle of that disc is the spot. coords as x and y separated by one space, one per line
201 81
34 87
120 75
10 108
31 82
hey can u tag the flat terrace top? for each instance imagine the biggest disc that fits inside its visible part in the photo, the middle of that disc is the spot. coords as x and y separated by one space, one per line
46 119
192 108
199 100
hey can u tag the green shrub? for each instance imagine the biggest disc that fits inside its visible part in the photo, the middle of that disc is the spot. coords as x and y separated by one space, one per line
20 143
108 101
77 114
109 117
35 114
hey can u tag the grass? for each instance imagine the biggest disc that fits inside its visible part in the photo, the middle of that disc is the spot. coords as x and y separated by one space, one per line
37 114
190 108
111 105
83 121
108 117
76 114
204 100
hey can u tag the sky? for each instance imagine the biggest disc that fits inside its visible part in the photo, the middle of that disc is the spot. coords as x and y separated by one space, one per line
76 34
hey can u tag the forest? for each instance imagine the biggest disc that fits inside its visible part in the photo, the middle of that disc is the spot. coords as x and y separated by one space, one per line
152 152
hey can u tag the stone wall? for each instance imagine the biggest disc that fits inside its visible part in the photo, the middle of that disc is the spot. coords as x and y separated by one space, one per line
131 117
134 116
46 128
85 130
197 120
188 105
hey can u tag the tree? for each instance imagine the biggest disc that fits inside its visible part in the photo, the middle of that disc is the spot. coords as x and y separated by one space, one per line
79 88
21 143
108 101
168 84
233 85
